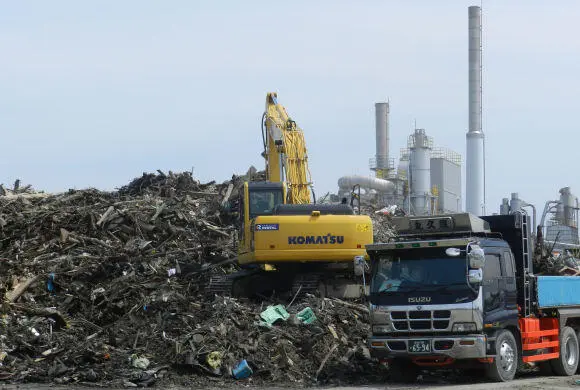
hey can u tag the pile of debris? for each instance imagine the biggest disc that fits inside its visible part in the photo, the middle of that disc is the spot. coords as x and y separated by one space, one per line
550 262
383 230
108 287
549 259
17 190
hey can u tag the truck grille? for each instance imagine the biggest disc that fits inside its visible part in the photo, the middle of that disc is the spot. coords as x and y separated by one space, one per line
421 320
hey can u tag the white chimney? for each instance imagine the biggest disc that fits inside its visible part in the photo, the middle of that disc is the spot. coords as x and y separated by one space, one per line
475 161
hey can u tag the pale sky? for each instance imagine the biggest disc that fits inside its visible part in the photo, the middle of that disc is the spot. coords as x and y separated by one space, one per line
93 93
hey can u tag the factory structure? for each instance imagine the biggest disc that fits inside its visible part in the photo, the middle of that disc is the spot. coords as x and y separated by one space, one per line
558 223
425 179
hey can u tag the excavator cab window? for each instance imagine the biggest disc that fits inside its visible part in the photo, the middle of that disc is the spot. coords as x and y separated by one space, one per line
263 202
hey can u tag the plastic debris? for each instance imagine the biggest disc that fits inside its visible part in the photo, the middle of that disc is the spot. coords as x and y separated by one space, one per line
50 282
306 316
333 331
140 362
96 292
274 313
214 359
242 370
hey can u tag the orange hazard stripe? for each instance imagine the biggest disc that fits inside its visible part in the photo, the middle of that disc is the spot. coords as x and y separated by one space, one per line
545 356
545 344
540 333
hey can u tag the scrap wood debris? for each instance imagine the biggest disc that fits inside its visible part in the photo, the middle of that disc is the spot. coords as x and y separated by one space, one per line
550 259
107 287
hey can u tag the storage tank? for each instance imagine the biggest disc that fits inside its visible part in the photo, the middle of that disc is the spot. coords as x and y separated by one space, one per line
567 209
562 227
504 208
515 203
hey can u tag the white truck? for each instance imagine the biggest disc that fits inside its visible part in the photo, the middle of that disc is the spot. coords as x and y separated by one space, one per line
459 290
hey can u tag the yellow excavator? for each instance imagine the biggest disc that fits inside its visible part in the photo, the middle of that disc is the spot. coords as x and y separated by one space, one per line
287 242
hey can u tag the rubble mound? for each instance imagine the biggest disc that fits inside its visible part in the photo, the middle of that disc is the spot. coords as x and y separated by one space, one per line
107 287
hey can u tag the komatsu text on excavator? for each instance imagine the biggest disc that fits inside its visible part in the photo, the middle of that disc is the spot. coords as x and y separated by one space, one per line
287 242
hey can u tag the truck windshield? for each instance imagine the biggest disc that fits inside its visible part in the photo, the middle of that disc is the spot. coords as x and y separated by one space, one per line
426 271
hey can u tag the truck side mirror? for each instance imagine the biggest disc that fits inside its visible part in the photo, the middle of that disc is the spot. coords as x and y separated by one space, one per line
476 257
475 276
360 265
452 252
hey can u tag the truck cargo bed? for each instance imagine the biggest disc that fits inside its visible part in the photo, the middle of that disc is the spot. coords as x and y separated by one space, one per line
558 291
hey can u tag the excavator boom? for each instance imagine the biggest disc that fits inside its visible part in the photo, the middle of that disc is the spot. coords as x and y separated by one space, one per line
285 152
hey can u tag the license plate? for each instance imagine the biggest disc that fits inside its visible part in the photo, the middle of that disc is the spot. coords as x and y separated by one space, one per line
419 346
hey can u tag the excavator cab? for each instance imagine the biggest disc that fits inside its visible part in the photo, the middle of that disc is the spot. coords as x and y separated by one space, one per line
257 199
264 199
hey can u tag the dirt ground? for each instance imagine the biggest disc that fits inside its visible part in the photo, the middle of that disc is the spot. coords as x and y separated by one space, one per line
525 383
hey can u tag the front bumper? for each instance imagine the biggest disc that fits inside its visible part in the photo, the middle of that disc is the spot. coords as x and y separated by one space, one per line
455 347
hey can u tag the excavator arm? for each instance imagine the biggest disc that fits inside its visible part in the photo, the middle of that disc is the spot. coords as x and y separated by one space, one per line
285 151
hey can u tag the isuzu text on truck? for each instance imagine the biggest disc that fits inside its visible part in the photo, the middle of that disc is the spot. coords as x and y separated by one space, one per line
459 290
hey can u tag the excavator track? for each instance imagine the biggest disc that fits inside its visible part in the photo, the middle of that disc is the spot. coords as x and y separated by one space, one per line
249 283
306 284
221 284
225 284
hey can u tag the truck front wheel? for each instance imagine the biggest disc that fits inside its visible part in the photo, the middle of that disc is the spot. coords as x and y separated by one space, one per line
567 363
578 337
504 366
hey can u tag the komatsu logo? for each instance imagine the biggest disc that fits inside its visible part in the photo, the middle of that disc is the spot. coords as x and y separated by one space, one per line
304 240
267 226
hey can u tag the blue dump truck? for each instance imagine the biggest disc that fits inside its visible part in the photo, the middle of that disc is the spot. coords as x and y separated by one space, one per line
460 291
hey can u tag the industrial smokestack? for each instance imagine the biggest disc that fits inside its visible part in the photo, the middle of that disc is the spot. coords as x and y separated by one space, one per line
420 167
475 164
382 128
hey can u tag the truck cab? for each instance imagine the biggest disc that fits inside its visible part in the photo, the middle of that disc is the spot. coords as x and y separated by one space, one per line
459 290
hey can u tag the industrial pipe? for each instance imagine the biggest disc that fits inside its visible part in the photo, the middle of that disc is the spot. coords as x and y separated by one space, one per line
525 204
547 209
373 183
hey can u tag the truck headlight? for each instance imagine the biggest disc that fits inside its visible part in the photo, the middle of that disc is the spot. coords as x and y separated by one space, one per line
462 327
378 329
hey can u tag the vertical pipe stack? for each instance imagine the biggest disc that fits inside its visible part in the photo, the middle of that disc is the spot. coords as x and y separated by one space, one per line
420 166
382 129
475 181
